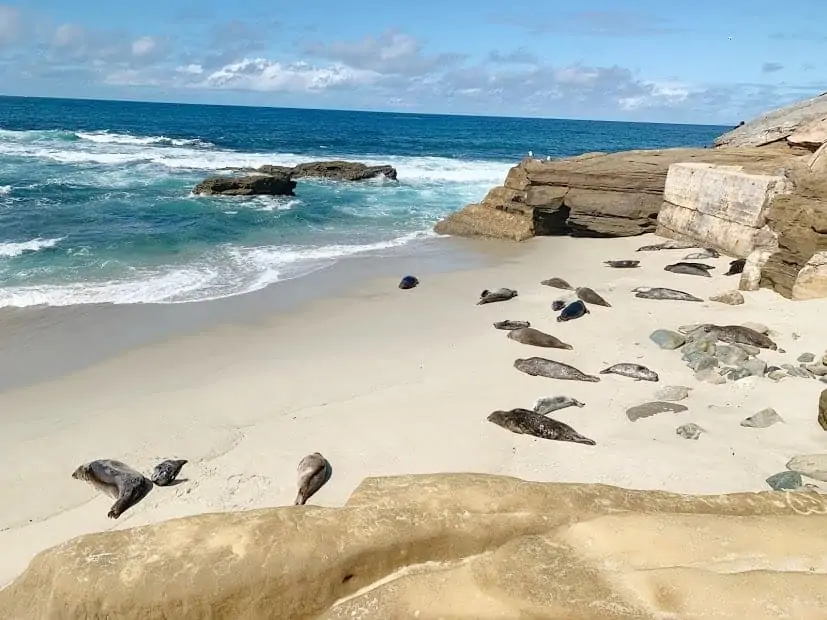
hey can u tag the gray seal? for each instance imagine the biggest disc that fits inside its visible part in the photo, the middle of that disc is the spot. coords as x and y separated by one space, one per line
541 367
738 334
705 253
558 304
117 480
690 269
558 283
588 295
314 471
547 404
529 335
668 245
635 371
622 264
525 422
166 472
501 294
511 324
646 292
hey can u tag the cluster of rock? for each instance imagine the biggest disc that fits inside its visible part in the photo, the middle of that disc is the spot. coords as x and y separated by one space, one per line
278 180
451 546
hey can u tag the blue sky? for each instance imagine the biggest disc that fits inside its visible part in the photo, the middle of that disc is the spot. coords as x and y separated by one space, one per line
705 62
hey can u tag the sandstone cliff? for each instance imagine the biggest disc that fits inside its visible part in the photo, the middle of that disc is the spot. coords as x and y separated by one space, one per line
451 546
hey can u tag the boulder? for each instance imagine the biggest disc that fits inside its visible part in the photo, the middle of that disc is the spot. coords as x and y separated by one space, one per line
451 546
810 135
252 185
335 170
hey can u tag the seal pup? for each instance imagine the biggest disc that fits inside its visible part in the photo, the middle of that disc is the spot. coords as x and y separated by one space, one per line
584 293
166 472
622 264
635 371
506 324
706 253
646 292
529 335
117 480
408 282
547 404
501 294
558 283
736 266
690 269
541 367
668 245
525 422
738 334
574 310
558 304
314 471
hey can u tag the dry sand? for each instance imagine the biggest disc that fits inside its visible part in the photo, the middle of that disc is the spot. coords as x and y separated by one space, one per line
386 382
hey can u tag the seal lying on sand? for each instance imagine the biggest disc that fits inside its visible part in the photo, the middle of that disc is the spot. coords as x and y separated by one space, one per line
501 294
547 404
690 269
706 253
314 471
736 266
738 334
541 367
645 292
590 297
511 324
529 335
557 305
525 422
622 264
166 472
557 283
117 480
574 310
668 245
635 371
408 282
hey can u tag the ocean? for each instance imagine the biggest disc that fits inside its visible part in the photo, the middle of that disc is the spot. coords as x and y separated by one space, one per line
96 203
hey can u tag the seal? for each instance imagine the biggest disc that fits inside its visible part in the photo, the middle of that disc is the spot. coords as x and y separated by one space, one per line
736 266
501 294
558 304
117 480
635 371
166 472
574 310
547 404
668 245
622 264
706 253
690 269
408 282
588 295
645 292
525 422
529 335
558 283
511 324
541 367
738 334
314 471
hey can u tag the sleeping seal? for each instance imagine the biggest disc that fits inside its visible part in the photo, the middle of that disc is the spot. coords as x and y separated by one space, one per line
558 283
706 253
738 334
690 269
668 245
557 305
117 480
529 335
622 264
511 324
501 294
547 404
314 471
408 282
635 371
574 310
525 422
541 367
736 267
165 473
645 292
590 297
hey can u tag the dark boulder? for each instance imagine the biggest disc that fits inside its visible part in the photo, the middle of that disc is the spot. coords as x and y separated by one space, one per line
254 185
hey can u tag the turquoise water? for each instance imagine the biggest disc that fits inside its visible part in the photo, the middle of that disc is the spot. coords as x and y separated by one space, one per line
96 203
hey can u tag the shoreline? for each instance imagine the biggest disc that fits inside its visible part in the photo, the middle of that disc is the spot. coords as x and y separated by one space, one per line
386 382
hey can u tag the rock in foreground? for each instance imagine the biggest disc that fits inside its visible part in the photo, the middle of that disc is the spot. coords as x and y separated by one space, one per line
253 185
458 546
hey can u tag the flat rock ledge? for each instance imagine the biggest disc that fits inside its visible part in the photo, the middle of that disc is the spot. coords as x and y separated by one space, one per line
333 170
451 546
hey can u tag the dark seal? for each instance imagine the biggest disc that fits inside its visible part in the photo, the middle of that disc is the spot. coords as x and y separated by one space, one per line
574 310
622 264
501 294
165 473
408 282
542 367
117 480
525 422
736 267
314 471
509 325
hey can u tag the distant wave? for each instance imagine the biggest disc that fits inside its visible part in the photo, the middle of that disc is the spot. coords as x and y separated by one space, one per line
5 190
105 137
16 249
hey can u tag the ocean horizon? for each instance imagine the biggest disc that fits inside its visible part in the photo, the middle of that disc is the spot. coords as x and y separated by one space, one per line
96 203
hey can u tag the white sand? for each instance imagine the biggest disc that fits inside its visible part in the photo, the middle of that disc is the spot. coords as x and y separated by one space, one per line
387 382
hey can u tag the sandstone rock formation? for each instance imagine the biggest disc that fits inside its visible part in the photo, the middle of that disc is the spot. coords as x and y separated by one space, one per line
335 170
253 185
452 546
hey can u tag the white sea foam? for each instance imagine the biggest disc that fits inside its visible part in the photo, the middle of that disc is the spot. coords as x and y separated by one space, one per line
5 190
16 249
105 137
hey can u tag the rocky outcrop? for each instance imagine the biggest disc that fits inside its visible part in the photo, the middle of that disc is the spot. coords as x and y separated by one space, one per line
253 185
802 121
453 545
334 170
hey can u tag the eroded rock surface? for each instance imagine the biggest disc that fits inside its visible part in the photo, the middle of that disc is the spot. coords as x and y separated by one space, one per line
252 185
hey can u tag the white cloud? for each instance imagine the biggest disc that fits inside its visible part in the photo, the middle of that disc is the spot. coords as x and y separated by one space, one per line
68 35
9 24
143 46
260 74
193 69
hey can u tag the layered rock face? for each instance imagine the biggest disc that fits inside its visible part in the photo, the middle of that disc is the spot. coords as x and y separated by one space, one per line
452 546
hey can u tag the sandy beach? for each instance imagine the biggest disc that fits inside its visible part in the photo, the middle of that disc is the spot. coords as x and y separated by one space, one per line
384 381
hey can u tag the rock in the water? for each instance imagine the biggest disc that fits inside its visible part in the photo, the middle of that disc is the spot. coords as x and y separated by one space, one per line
709 375
731 298
806 358
334 170
785 481
667 339
254 185
647 410
822 410
763 419
689 431
673 393
810 465
730 355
